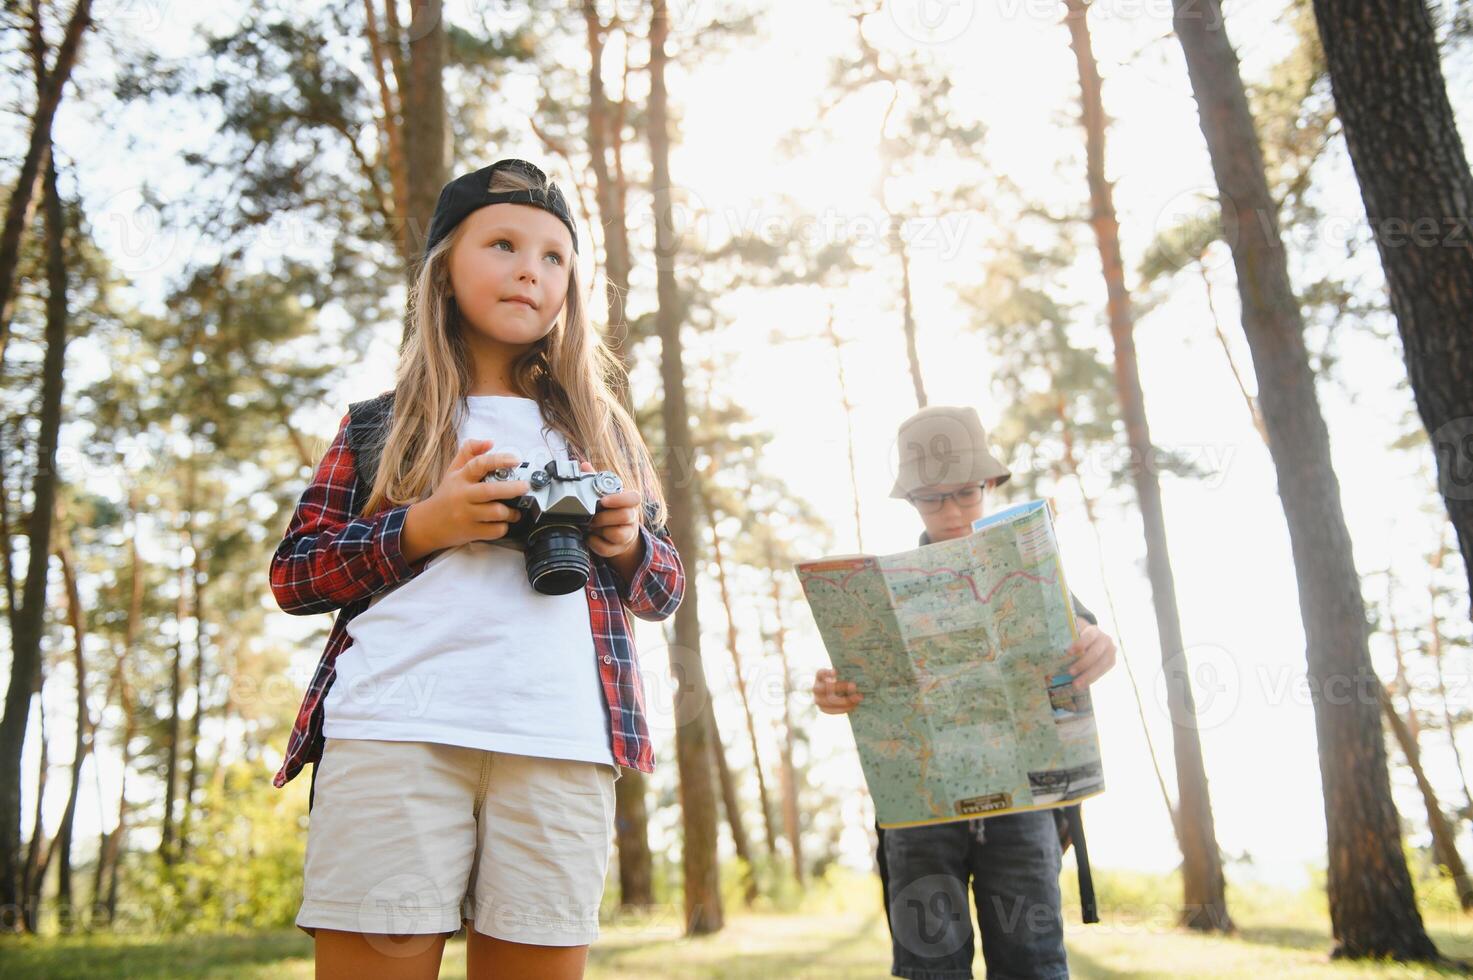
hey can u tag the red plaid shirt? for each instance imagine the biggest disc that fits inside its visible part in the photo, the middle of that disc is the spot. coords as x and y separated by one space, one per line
333 559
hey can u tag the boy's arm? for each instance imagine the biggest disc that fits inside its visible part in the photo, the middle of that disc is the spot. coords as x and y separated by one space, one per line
654 590
329 557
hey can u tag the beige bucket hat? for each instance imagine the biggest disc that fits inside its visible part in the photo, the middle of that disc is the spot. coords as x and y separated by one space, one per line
944 444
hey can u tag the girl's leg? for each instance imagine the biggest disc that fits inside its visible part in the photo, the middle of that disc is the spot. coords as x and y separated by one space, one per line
359 955
489 958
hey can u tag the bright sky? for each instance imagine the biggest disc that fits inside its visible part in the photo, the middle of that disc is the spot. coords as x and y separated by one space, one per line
1012 67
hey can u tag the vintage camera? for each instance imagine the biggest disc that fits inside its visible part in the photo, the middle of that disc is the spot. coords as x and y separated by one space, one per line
556 510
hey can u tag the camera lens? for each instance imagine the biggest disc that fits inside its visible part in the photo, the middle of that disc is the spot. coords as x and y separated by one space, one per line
557 559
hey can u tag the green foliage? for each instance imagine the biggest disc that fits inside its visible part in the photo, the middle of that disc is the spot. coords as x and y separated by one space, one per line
243 866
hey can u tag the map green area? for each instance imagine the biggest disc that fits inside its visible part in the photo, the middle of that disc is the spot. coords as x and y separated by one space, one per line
959 648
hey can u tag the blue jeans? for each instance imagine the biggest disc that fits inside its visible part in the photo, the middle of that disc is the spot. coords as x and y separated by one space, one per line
1012 862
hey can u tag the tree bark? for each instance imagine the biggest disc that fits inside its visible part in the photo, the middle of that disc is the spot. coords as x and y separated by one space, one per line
1373 910
167 825
791 821
1403 138
703 913
1444 841
1434 633
191 780
29 622
422 100
741 680
832 336
49 87
38 850
631 812
731 802
907 311
1204 899
605 131
65 900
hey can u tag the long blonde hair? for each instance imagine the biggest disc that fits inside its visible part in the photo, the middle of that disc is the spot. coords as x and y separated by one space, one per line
570 372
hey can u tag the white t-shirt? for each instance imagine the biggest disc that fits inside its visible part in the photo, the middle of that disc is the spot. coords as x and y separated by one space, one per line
466 652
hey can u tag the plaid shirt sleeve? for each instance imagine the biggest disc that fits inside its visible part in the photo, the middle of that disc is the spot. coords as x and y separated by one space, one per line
329 557
659 583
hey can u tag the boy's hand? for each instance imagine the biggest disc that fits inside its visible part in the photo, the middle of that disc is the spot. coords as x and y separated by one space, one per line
1093 653
614 528
833 696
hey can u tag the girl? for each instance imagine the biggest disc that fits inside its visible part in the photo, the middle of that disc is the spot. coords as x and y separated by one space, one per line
469 729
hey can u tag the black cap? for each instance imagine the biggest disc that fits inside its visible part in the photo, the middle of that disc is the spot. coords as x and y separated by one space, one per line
470 191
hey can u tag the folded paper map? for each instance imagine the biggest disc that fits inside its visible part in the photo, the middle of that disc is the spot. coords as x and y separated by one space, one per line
960 650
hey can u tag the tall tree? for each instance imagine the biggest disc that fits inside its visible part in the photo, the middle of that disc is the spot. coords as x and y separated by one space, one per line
1409 158
1204 896
50 83
605 126
27 622
702 892
1373 910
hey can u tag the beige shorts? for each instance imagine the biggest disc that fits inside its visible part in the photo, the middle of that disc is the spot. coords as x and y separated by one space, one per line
417 837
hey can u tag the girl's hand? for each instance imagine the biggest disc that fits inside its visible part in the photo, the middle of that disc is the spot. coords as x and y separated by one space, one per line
1093 653
462 508
833 696
614 528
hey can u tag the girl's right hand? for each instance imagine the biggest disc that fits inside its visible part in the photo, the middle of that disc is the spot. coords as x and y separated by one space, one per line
833 696
462 508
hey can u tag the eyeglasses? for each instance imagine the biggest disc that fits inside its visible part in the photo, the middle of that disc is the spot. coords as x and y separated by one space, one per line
930 503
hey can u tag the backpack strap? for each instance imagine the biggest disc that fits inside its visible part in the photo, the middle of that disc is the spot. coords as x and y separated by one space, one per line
368 423
1074 821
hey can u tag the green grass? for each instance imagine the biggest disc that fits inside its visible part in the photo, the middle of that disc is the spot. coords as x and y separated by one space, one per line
834 931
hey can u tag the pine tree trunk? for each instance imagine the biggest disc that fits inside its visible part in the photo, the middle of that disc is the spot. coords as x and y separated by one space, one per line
50 83
1444 841
1434 633
391 131
731 802
1373 910
631 832
167 823
28 623
191 780
741 681
422 101
791 821
631 812
1413 171
65 900
832 336
907 310
703 913
605 134
1071 463
1204 900
38 850
108 869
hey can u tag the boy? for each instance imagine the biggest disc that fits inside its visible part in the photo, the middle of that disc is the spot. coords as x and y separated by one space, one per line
1011 861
